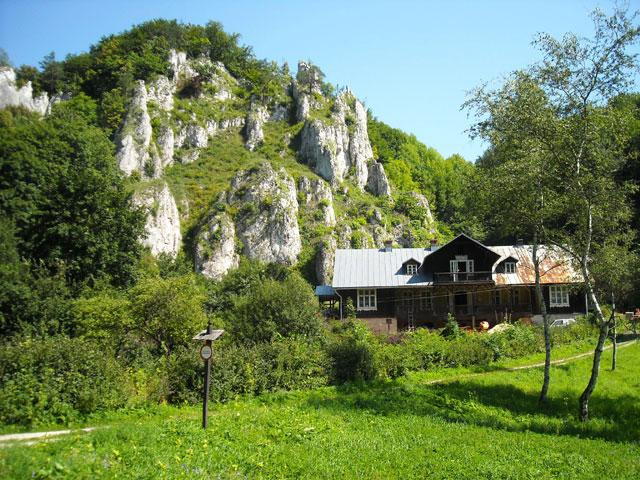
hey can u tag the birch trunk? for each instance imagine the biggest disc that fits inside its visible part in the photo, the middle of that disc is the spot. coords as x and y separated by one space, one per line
604 332
613 333
545 322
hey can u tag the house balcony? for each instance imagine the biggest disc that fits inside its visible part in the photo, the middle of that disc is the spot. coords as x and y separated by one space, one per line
462 277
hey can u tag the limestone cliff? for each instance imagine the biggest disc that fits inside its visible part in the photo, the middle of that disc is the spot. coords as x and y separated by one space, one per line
267 214
215 251
162 228
12 96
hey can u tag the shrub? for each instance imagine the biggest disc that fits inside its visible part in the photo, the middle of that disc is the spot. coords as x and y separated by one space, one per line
467 350
428 348
353 354
276 309
394 360
515 341
57 379
284 364
451 328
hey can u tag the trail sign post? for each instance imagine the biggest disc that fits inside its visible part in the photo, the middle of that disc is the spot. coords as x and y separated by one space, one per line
206 352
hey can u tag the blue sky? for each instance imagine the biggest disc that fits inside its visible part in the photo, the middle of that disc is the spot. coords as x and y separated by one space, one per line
410 61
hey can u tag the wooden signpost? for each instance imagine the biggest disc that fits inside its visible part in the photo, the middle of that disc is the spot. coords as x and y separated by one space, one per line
206 351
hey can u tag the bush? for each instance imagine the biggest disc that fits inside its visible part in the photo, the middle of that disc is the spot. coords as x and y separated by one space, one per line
468 350
276 309
515 341
451 328
353 354
57 380
284 364
428 348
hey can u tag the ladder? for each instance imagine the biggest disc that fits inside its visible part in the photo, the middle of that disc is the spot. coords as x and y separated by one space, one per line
410 325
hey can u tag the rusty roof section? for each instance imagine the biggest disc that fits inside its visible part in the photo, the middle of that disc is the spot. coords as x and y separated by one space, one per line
555 266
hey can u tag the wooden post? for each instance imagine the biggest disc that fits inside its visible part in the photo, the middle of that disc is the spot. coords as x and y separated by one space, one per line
206 352
207 381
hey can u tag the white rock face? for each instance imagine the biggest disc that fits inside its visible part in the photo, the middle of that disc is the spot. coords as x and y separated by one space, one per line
267 219
422 202
325 258
135 134
280 113
215 251
12 96
256 117
162 229
165 141
377 182
161 92
317 195
334 147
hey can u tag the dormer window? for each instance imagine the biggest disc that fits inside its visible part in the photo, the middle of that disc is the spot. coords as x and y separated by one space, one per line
510 267
412 269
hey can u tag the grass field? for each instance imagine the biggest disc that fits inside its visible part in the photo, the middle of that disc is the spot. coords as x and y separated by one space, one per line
486 426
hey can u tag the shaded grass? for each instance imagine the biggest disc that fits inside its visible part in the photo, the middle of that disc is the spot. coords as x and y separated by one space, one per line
484 427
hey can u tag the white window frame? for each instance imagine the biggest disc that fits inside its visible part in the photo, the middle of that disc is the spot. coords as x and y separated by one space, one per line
412 269
559 295
453 266
367 299
509 267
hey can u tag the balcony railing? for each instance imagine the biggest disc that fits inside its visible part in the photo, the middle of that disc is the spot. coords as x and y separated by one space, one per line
462 277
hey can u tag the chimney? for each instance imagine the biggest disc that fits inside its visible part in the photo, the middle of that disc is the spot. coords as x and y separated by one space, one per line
434 244
388 245
519 242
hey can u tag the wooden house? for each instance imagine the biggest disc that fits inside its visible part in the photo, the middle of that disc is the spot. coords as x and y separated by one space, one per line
402 288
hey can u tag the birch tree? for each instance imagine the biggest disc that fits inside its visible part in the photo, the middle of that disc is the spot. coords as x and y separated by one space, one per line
581 139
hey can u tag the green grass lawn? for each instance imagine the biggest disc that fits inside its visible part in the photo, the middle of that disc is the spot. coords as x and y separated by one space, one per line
487 426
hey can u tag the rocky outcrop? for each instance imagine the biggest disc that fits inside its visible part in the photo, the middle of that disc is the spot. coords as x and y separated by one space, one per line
377 182
316 195
267 214
256 117
161 92
324 261
135 135
215 252
12 96
339 145
422 202
165 147
162 228
305 89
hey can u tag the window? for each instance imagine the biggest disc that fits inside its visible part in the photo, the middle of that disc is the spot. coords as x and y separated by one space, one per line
412 269
497 300
559 295
510 267
515 296
426 301
367 299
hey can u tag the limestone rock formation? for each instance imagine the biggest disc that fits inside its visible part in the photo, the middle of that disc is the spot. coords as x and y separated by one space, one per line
316 194
162 228
135 135
161 92
377 182
338 145
267 218
12 96
325 260
215 252
422 202
256 117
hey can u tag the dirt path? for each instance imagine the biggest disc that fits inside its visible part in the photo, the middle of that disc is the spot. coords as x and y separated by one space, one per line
31 438
560 361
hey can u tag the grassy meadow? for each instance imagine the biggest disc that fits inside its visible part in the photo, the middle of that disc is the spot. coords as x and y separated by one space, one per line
483 426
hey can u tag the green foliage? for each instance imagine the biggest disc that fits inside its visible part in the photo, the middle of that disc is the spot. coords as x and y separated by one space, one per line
167 311
411 166
451 328
60 186
273 309
353 354
57 380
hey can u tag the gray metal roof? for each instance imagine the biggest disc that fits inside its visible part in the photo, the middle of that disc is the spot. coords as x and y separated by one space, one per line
372 267
325 291
361 268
